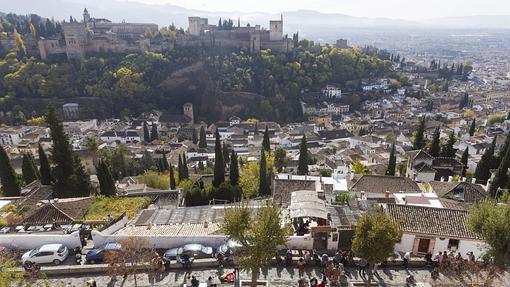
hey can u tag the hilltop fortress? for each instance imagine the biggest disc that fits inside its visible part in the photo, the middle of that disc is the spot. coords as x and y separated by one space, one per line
96 35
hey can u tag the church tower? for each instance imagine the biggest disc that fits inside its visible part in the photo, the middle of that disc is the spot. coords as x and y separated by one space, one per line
188 111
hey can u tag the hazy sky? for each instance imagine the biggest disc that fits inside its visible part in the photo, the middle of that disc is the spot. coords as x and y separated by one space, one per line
402 9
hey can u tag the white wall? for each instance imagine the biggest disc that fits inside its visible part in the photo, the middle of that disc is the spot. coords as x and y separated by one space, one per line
406 243
300 242
35 240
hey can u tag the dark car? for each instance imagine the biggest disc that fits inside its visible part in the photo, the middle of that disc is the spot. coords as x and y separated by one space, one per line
98 255
196 251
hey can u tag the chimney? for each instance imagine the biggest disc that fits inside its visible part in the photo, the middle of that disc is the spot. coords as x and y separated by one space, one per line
463 179
473 180
450 178
386 194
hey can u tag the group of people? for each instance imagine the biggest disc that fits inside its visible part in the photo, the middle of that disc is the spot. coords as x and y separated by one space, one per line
331 268
441 259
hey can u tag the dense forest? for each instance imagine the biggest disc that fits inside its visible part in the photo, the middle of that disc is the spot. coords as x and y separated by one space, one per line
218 82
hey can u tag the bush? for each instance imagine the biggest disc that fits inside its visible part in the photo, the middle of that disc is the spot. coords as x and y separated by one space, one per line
115 206
492 119
156 180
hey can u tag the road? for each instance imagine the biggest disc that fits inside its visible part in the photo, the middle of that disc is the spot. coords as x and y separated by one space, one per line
277 277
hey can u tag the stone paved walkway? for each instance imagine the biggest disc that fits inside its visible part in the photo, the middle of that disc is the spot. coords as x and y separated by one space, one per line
277 277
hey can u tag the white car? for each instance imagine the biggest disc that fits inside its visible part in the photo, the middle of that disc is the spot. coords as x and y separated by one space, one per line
49 253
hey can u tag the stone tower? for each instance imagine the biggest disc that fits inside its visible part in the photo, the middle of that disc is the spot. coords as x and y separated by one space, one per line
86 17
188 111
276 29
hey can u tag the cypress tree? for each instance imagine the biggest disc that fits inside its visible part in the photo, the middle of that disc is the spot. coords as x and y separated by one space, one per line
435 146
202 141
106 182
180 169
256 128
201 166
303 157
265 142
219 171
503 150
448 150
234 169
264 185
226 155
154 132
501 177
464 161
508 116
172 178
28 170
392 164
62 157
165 167
80 179
472 129
185 167
44 167
194 136
419 141
8 177
488 160
146 133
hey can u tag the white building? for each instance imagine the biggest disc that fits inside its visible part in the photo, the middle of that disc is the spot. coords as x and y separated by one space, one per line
332 92
430 229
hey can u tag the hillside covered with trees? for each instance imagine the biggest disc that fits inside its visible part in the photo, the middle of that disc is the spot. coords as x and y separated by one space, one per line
218 82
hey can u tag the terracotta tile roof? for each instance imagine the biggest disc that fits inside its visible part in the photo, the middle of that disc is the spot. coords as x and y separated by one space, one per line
381 184
441 222
65 211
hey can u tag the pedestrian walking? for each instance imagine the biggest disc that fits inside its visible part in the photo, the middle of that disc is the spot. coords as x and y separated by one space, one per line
301 267
362 266
406 258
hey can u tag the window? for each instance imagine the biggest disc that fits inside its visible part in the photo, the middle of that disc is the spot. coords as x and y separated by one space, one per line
335 237
453 244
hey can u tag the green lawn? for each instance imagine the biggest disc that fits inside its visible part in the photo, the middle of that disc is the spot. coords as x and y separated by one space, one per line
115 206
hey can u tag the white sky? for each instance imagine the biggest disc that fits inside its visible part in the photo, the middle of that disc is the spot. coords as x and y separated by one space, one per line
401 9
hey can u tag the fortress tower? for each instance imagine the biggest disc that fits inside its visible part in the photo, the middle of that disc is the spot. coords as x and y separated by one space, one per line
276 29
86 17
188 111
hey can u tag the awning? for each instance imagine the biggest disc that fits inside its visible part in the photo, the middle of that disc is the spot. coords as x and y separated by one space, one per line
306 203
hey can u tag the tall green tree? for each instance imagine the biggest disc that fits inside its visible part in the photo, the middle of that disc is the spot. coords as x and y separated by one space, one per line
264 181
448 150
106 182
489 220
80 179
185 167
194 136
63 158
472 128
154 132
172 178
146 133
234 169
180 169
203 140
392 164
303 157
419 137
8 178
164 162
375 236
280 159
503 150
435 145
219 167
44 169
464 161
28 169
501 176
486 163
260 237
266 145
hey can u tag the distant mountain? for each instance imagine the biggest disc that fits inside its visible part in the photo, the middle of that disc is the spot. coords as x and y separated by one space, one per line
472 22
311 24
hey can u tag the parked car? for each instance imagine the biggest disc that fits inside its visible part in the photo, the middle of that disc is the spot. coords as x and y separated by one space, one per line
228 248
49 253
97 255
196 251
